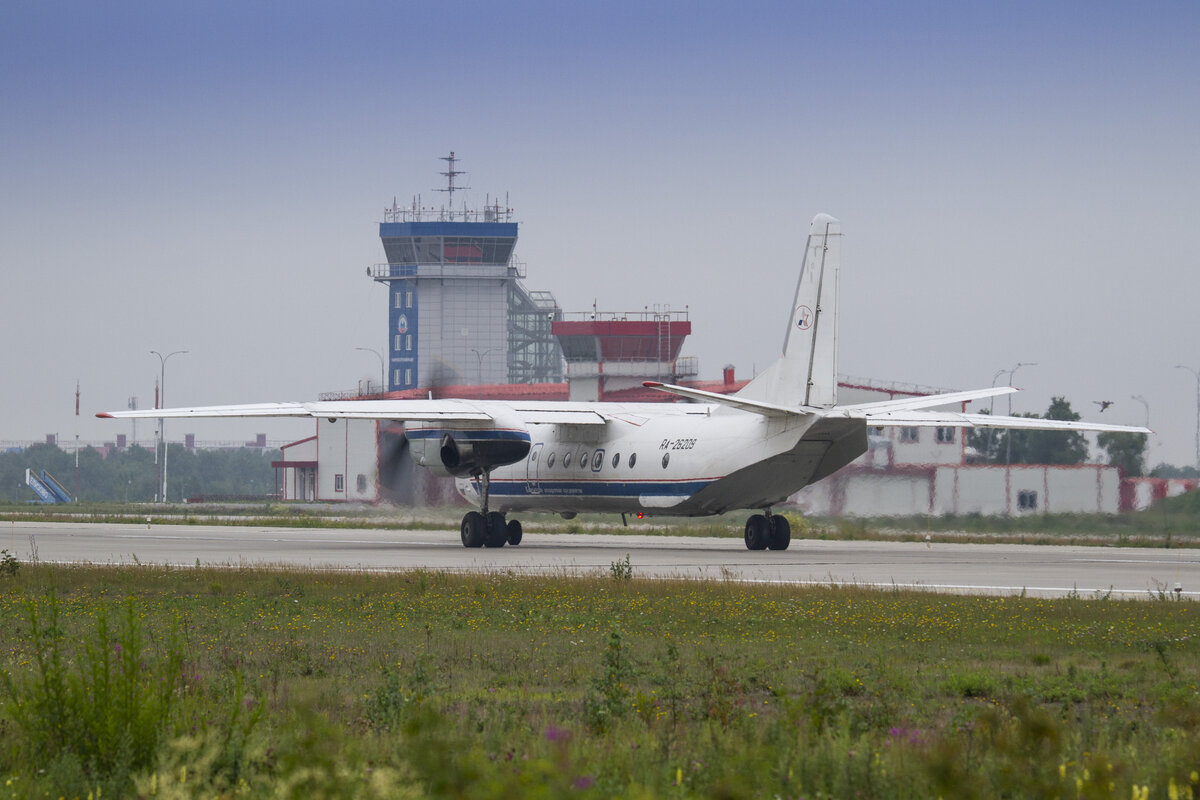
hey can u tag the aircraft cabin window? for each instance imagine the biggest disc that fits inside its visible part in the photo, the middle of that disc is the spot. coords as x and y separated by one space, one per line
666 459
597 460
632 459
533 455
583 459
550 461
616 460
566 459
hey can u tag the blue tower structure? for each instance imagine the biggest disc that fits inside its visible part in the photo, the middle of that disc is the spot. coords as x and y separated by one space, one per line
458 312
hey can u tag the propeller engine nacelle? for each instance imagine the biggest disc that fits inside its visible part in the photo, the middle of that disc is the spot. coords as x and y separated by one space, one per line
467 448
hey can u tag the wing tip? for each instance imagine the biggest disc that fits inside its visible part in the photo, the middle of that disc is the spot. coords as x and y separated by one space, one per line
653 384
104 415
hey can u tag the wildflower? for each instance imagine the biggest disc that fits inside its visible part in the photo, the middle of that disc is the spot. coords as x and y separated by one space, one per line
554 734
584 782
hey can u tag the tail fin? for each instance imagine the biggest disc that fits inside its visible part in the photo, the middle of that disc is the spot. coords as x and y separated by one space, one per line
806 373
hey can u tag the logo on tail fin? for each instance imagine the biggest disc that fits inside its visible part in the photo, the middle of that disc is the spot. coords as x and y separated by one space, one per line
804 318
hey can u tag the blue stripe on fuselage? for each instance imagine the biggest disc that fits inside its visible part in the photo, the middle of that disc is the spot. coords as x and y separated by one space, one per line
681 489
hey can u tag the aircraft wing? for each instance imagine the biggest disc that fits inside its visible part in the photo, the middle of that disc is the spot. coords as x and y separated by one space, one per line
448 410
401 410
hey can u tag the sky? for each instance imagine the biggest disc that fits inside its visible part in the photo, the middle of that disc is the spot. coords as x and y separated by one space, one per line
1016 181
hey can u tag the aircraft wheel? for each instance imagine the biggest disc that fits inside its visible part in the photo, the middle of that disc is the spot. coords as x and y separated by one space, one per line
514 532
781 533
474 529
757 529
497 534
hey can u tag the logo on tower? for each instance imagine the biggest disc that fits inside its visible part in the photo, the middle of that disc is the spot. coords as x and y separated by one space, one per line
402 324
804 318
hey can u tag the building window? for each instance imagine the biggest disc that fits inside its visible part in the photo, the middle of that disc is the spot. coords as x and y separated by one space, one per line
407 377
408 341
1027 500
362 482
395 377
910 435
399 297
339 482
945 435
408 297
396 343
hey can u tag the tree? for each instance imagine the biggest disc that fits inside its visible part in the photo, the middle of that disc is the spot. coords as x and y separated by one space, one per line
1057 447
130 474
1126 451
1019 446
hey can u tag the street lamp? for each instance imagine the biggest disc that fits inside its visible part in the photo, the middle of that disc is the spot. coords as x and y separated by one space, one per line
382 369
992 400
1011 374
162 401
1146 404
479 357
1143 401
1197 374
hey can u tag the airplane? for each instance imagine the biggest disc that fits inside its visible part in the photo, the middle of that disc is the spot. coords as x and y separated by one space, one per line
713 454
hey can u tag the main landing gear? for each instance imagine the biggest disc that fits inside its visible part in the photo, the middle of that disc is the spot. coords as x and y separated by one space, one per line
768 530
488 529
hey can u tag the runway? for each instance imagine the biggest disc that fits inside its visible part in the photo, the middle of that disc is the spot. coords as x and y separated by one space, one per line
961 568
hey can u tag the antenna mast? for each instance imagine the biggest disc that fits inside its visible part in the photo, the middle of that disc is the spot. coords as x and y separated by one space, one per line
451 173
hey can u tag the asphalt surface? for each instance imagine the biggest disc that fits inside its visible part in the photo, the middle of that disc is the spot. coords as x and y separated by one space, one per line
961 568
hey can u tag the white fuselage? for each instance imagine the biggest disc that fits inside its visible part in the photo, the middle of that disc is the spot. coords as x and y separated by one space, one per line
684 459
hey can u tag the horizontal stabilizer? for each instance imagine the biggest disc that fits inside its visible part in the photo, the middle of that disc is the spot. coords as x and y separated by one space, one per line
929 400
916 419
733 401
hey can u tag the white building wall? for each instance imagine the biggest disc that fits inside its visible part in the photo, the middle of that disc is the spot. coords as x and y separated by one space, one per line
885 494
349 460
463 326
991 490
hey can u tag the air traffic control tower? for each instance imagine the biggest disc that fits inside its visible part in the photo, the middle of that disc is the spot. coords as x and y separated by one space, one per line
458 312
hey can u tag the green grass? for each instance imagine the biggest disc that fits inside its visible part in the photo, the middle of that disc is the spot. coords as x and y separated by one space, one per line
255 682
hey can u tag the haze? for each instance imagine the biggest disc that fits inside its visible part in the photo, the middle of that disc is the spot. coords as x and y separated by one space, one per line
1017 183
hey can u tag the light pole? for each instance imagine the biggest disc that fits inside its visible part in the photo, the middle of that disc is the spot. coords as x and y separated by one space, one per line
1146 404
1197 374
479 357
1143 401
162 401
382 369
1011 374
